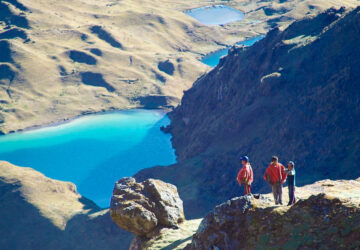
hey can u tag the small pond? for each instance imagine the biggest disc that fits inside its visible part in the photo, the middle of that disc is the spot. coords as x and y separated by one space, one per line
216 15
93 151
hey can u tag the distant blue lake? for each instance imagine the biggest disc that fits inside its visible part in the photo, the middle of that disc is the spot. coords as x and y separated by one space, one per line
212 59
93 151
216 14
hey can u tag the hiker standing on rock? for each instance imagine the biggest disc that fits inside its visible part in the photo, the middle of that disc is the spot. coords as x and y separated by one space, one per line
290 171
275 175
245 175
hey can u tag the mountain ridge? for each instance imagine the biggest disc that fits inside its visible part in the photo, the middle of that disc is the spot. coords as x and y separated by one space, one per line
260 102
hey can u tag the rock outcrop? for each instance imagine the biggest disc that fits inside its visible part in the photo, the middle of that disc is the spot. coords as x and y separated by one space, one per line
144 208
37 212
326 217
295 94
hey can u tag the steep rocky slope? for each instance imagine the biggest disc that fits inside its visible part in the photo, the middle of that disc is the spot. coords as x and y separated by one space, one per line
294 94
60 59
40 213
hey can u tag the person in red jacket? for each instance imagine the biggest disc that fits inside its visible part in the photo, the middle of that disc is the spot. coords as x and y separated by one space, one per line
245 175
275 175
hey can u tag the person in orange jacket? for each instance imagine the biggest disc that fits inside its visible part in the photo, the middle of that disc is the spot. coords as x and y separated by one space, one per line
275 175
245 175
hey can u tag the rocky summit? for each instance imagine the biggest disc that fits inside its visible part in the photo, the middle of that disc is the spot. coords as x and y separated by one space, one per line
294 94
327 215
144 208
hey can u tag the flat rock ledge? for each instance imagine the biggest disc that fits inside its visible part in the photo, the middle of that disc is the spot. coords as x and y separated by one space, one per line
146 207
326 216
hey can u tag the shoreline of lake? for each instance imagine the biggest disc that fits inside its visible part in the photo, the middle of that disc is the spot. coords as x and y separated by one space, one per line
217 54
94 150
62 121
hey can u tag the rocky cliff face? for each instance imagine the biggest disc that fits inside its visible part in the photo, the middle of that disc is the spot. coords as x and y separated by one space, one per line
37 212
327 217
294 94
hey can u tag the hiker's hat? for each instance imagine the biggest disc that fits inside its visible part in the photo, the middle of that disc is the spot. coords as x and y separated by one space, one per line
245 158
291 163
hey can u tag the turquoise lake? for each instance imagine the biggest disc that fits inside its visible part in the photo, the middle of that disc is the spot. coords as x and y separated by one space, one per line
212 59
93 151
216 14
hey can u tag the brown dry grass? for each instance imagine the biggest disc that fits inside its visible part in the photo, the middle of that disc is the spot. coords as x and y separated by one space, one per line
149 32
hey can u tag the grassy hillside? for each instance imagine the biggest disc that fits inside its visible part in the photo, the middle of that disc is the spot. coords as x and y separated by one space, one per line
37 212
60 59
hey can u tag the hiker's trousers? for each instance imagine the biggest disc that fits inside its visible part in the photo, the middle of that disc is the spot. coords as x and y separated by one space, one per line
247 188
292 199
277 192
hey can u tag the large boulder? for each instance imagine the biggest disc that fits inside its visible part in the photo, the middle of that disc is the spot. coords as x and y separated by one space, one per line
143 208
